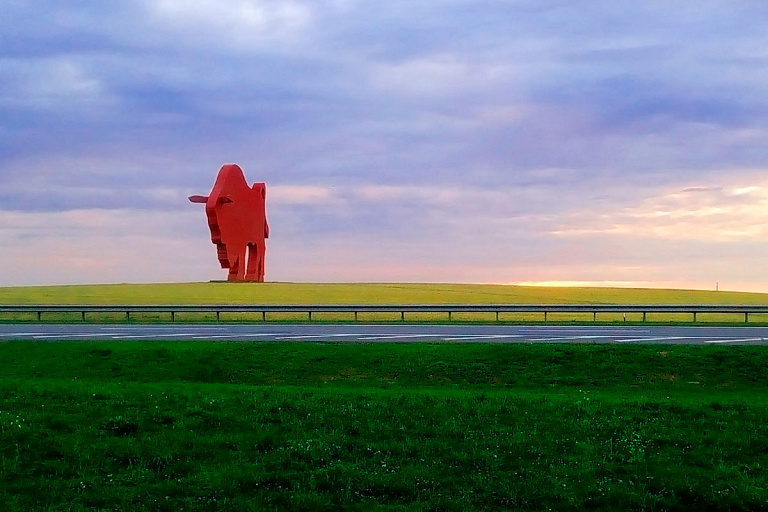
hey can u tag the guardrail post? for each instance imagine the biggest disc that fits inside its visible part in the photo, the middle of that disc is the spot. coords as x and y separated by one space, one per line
643 316
39 315
694 317
310 315
173 316
746 317
263 316
218 318
449 316
497 316
355 316
545 316
402 316
83 316
127 316
594 316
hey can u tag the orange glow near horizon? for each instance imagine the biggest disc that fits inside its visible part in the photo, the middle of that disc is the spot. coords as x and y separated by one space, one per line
659 285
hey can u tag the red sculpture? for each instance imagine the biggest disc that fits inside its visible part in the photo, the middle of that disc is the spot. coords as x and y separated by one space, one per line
237 218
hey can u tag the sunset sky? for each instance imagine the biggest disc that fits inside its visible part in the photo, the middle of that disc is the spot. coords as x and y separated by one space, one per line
604 142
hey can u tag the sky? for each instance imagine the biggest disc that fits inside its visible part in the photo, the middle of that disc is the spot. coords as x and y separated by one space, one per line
606 142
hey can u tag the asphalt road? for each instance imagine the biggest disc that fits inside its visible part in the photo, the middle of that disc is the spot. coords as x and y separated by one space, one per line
400 333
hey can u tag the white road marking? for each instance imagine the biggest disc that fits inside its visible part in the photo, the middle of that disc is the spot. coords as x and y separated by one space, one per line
150 336
483 337
311 336
660 338
191 335
734 340
397 336
298 337
586 330
149 328
49 336
23 334
569 338
231 336
344 335
258 334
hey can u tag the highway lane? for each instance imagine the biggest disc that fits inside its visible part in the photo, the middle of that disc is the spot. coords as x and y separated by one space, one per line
389 333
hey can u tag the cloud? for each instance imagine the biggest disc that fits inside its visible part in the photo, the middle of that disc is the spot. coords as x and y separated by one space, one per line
302 194
727 213
93 246
238 21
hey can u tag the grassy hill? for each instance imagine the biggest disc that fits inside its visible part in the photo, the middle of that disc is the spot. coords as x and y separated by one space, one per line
359 293
373 293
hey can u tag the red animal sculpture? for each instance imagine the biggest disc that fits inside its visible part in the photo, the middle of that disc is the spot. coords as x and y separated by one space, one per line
237 218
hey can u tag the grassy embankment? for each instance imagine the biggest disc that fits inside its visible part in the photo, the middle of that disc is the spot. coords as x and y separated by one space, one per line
363 293
241 426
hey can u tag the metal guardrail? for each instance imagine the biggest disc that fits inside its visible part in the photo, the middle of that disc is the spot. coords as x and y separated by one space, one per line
355 309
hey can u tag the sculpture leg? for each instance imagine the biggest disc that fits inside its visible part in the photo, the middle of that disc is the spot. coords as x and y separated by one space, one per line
262 252
237 267
233 270
253 263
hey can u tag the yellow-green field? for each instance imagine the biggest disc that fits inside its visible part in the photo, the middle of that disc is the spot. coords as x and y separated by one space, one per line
359 293
382 293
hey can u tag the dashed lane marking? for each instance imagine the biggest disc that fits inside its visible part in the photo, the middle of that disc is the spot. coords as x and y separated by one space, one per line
173 335
11 334
315 336
396 336
564 338
734 340
584 331
150 336
67 336
482 337
235 336
660 338
257 334
152 328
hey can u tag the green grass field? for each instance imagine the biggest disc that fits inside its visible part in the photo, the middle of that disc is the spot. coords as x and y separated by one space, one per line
428 427
371 293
